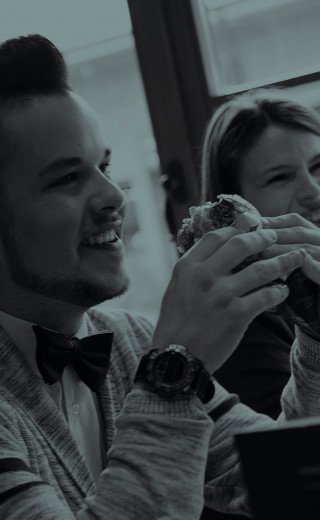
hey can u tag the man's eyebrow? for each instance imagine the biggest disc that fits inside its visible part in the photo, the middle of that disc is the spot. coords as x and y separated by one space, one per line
59 164
67 162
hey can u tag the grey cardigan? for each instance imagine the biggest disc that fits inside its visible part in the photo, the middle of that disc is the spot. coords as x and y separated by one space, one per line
160 452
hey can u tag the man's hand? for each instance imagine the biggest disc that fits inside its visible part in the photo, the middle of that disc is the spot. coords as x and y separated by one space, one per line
206 308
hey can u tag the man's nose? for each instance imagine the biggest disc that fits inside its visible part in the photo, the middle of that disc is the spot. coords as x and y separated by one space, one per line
106 195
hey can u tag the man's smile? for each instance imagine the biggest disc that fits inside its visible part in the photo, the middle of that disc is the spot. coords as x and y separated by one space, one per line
107 237
107 241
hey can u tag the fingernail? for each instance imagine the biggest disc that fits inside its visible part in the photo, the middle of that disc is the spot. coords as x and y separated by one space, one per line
298 254
282 287
302 251
295 253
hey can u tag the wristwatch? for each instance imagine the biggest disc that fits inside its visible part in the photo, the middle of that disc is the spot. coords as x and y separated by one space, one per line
173 371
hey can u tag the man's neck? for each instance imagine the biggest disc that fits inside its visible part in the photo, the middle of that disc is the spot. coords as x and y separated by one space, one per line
48 313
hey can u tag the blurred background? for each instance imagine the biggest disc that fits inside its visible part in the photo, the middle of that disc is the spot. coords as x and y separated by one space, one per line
154 70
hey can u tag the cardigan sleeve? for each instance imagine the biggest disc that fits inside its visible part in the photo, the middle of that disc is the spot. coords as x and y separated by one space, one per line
224 489
156 466
301 396
157 462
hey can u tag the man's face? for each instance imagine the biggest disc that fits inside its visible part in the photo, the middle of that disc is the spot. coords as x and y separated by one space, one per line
61 216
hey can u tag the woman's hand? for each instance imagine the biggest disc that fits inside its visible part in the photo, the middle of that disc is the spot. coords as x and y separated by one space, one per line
303 303
206 307
295 232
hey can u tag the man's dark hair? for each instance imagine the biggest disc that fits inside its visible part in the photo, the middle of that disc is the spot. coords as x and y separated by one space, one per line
30 67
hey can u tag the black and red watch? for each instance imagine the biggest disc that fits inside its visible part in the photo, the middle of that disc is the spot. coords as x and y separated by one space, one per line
173 371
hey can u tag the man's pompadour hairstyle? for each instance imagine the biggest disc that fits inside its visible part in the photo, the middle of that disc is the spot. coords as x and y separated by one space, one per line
31 65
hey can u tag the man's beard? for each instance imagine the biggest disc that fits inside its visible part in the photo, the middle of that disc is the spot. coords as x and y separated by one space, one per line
77 292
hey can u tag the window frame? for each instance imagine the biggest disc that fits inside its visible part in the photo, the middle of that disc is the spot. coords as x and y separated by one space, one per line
177 92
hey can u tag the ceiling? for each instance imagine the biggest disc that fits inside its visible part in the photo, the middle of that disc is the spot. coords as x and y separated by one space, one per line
72 25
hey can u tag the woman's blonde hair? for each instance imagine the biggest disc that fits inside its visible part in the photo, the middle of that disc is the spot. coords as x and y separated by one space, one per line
237 125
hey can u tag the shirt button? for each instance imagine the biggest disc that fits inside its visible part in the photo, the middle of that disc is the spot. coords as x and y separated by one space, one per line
76 409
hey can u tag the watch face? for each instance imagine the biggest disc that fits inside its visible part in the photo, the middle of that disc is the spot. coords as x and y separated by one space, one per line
172 373
170 367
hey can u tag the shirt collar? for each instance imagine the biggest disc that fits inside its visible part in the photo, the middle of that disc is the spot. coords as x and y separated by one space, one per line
22 334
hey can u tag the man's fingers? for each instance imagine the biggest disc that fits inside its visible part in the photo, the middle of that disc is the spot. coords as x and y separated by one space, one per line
240 247
276 250
266 271
259 301
210 243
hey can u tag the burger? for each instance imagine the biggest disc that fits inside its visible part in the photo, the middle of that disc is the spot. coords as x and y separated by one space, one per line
233 210
229 210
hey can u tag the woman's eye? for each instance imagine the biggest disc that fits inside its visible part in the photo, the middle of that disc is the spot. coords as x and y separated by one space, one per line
281 177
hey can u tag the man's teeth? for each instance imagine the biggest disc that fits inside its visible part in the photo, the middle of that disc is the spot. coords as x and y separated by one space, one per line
102 238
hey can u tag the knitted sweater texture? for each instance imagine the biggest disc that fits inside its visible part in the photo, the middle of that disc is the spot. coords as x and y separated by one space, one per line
163 457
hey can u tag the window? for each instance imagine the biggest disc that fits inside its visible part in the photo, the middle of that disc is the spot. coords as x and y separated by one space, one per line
250 43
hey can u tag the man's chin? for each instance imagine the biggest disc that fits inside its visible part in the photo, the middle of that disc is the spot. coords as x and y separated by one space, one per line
84 293
88 294
99 294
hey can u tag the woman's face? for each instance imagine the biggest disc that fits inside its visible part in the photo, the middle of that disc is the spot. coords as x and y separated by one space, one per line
281 173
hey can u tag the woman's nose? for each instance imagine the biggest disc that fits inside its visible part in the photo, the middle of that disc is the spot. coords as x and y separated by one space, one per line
309 187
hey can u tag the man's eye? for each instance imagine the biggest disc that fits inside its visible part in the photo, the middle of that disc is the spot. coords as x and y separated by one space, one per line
105 168
66 179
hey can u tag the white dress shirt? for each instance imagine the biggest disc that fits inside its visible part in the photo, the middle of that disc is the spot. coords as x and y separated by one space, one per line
75 400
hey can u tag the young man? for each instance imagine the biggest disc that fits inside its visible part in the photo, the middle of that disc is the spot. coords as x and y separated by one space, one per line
86 430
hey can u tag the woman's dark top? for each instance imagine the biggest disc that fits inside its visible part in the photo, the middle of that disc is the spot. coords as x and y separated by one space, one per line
260 367
257 371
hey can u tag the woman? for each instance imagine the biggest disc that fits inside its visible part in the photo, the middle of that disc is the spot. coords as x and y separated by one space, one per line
265 147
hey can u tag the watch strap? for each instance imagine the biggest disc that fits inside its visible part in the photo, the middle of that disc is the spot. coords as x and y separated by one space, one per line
203 385
143 366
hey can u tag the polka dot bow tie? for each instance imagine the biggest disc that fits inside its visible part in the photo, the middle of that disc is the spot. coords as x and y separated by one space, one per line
89 356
